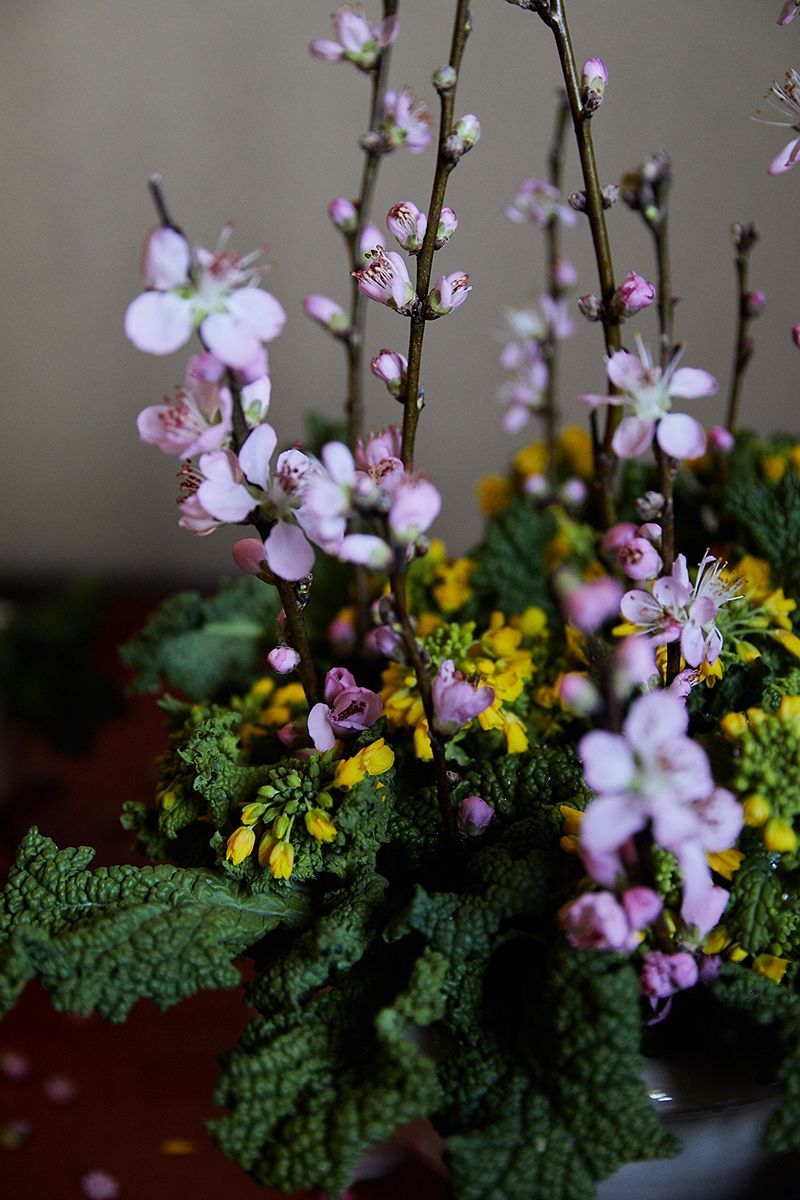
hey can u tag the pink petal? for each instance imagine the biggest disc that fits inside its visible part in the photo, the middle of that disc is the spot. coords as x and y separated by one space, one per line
248 554
624 370
633 436
607 761
320 729
339 462
225 501
594 399
693 644
639 607
607 825
326 50
388 31
681 436
366 549
287 552
166 259
352 30
654 719
690 383
231 341
258 311
159 322
255 454
786 159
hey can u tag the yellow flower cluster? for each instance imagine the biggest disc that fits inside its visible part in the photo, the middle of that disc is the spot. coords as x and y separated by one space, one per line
274 707
775 466
767 764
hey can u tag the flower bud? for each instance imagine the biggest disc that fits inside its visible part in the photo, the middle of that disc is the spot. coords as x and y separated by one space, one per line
720 439
588 606
796 335
445 78
448 224
464 135
650 506
594 77
573 492
248 554
578 695
610 195
406 223
632 295
390 367
474 816
283 659
591 306
536 485
744 236
754 303
390 643
577 200
344 214
327 313
449 292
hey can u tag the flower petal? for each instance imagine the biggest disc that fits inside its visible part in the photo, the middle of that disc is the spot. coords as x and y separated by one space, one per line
690 383
681 436
320 729
785 160
258 311
607 761
633 436
159 322
287 552
229 340
256 453
625 370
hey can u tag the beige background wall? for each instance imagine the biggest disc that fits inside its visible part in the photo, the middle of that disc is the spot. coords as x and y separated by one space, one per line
223 98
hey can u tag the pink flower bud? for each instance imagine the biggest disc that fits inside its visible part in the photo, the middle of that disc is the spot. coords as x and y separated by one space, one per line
342 635
796 335
407 224
587 606
449 292
665 974
389 643
632 295
344 214
594 77
448 224
617 536
248 554
371 238
283 659
578 695
327 313
537 486
390 367
720 439
573 492
639 559
464 135
788 12
474 816
754 303
456 700
406 121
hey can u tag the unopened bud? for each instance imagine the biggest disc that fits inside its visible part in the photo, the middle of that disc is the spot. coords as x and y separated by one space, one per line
573 492
754 303
371 142
591 306
577 200
650 506
445 78
390 367
327 313
578 695
448 224
283 659
744 236
465 134
594 77
344 214
720 439
474 815
632 295
610 194
796 335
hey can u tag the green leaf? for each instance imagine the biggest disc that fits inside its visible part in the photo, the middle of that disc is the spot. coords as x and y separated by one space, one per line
310 1089
103 939
754 914
510 572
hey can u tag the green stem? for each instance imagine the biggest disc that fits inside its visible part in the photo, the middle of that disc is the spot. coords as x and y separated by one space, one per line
354 342
444 165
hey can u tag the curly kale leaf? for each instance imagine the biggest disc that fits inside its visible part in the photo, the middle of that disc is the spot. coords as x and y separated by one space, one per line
205 647
768 518
510 572
311 1088
778 1007
103 939
531 785
566 1108
757 916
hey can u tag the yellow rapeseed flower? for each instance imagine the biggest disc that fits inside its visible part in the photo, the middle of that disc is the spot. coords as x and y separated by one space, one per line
789 641
733 725
533 621
281 860
532 459
777 607
320 826
494 493
779 836
240 844
774 468
757 810
453 592
789 710
771 966
576 444
716 941
375 759
725 862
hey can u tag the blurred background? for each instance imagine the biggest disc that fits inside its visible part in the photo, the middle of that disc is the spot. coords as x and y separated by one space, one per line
226 102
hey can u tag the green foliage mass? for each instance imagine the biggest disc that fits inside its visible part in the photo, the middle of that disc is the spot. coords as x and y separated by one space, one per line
767 515
510 572
757 916
205 646
103 939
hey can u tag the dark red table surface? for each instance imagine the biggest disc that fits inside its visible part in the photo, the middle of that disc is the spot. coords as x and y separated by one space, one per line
147 1083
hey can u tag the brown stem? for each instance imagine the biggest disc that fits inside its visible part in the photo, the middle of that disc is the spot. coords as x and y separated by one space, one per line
744 348
444 165
605 461
354 342
444 798
553 237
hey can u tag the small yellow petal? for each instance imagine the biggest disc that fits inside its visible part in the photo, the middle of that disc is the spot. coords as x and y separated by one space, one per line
716 941
240 844
757 810
734 725
779 836
771 966
320 826
281 860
